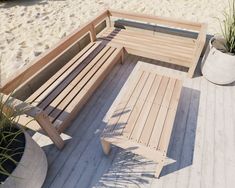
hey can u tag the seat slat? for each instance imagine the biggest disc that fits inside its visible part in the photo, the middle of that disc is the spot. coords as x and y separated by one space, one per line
144 51
72 85
164 45
169 53
48 86
67 95
184 41
145 135
88 90
155 43
159 123
84 61
153 55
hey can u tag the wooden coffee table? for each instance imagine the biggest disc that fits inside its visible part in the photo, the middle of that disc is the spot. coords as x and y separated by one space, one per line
143 119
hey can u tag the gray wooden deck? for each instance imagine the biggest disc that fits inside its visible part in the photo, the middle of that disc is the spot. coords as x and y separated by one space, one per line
201 151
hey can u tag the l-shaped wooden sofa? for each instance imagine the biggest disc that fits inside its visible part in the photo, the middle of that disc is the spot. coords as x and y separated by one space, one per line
60 81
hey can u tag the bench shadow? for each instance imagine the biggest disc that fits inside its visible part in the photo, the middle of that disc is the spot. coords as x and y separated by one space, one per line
183 137
128 168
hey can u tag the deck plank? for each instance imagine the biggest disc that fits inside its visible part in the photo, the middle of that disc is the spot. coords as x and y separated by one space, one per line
207 178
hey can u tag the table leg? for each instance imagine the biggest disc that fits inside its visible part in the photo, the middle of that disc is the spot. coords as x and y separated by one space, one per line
106 146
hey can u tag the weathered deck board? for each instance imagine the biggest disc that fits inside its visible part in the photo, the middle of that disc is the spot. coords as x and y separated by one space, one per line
202 142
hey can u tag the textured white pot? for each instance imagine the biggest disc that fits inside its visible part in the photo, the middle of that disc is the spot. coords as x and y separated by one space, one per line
218 67
32 168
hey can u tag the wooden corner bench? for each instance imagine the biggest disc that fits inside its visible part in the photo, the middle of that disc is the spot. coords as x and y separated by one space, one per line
143 119
59 82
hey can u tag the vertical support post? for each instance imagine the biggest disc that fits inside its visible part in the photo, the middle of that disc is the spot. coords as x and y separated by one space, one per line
92 31
109 21
106 146
123 56
200 43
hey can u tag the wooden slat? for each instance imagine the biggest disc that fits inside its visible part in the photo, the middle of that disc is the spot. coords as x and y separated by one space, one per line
121 106
175 50
123 120
149 125
87 58
156 42
140 123
132 128
157 20
157 38
159 123
68 94
145 51
129 42
184 41
169 122
88 90
48 86
161 38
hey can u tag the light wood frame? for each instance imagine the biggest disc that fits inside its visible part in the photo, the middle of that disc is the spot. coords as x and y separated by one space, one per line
28 72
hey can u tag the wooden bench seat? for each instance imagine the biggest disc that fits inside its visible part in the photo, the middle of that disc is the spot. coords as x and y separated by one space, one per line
160 46
143 119
56 102
72 85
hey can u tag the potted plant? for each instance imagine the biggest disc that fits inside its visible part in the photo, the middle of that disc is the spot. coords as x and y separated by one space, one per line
23 163
218 64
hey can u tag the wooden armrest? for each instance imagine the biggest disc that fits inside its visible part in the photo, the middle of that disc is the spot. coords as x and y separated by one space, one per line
11 103
200 42
201 39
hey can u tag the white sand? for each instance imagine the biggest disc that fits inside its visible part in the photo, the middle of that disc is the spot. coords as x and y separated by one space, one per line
29 27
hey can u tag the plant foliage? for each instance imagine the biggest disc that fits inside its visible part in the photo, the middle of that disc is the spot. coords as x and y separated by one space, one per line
228 27
11 147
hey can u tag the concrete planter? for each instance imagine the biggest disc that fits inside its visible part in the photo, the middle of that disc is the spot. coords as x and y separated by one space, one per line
32 168
218 67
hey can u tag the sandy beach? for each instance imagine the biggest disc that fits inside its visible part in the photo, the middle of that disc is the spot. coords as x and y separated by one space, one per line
28 28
